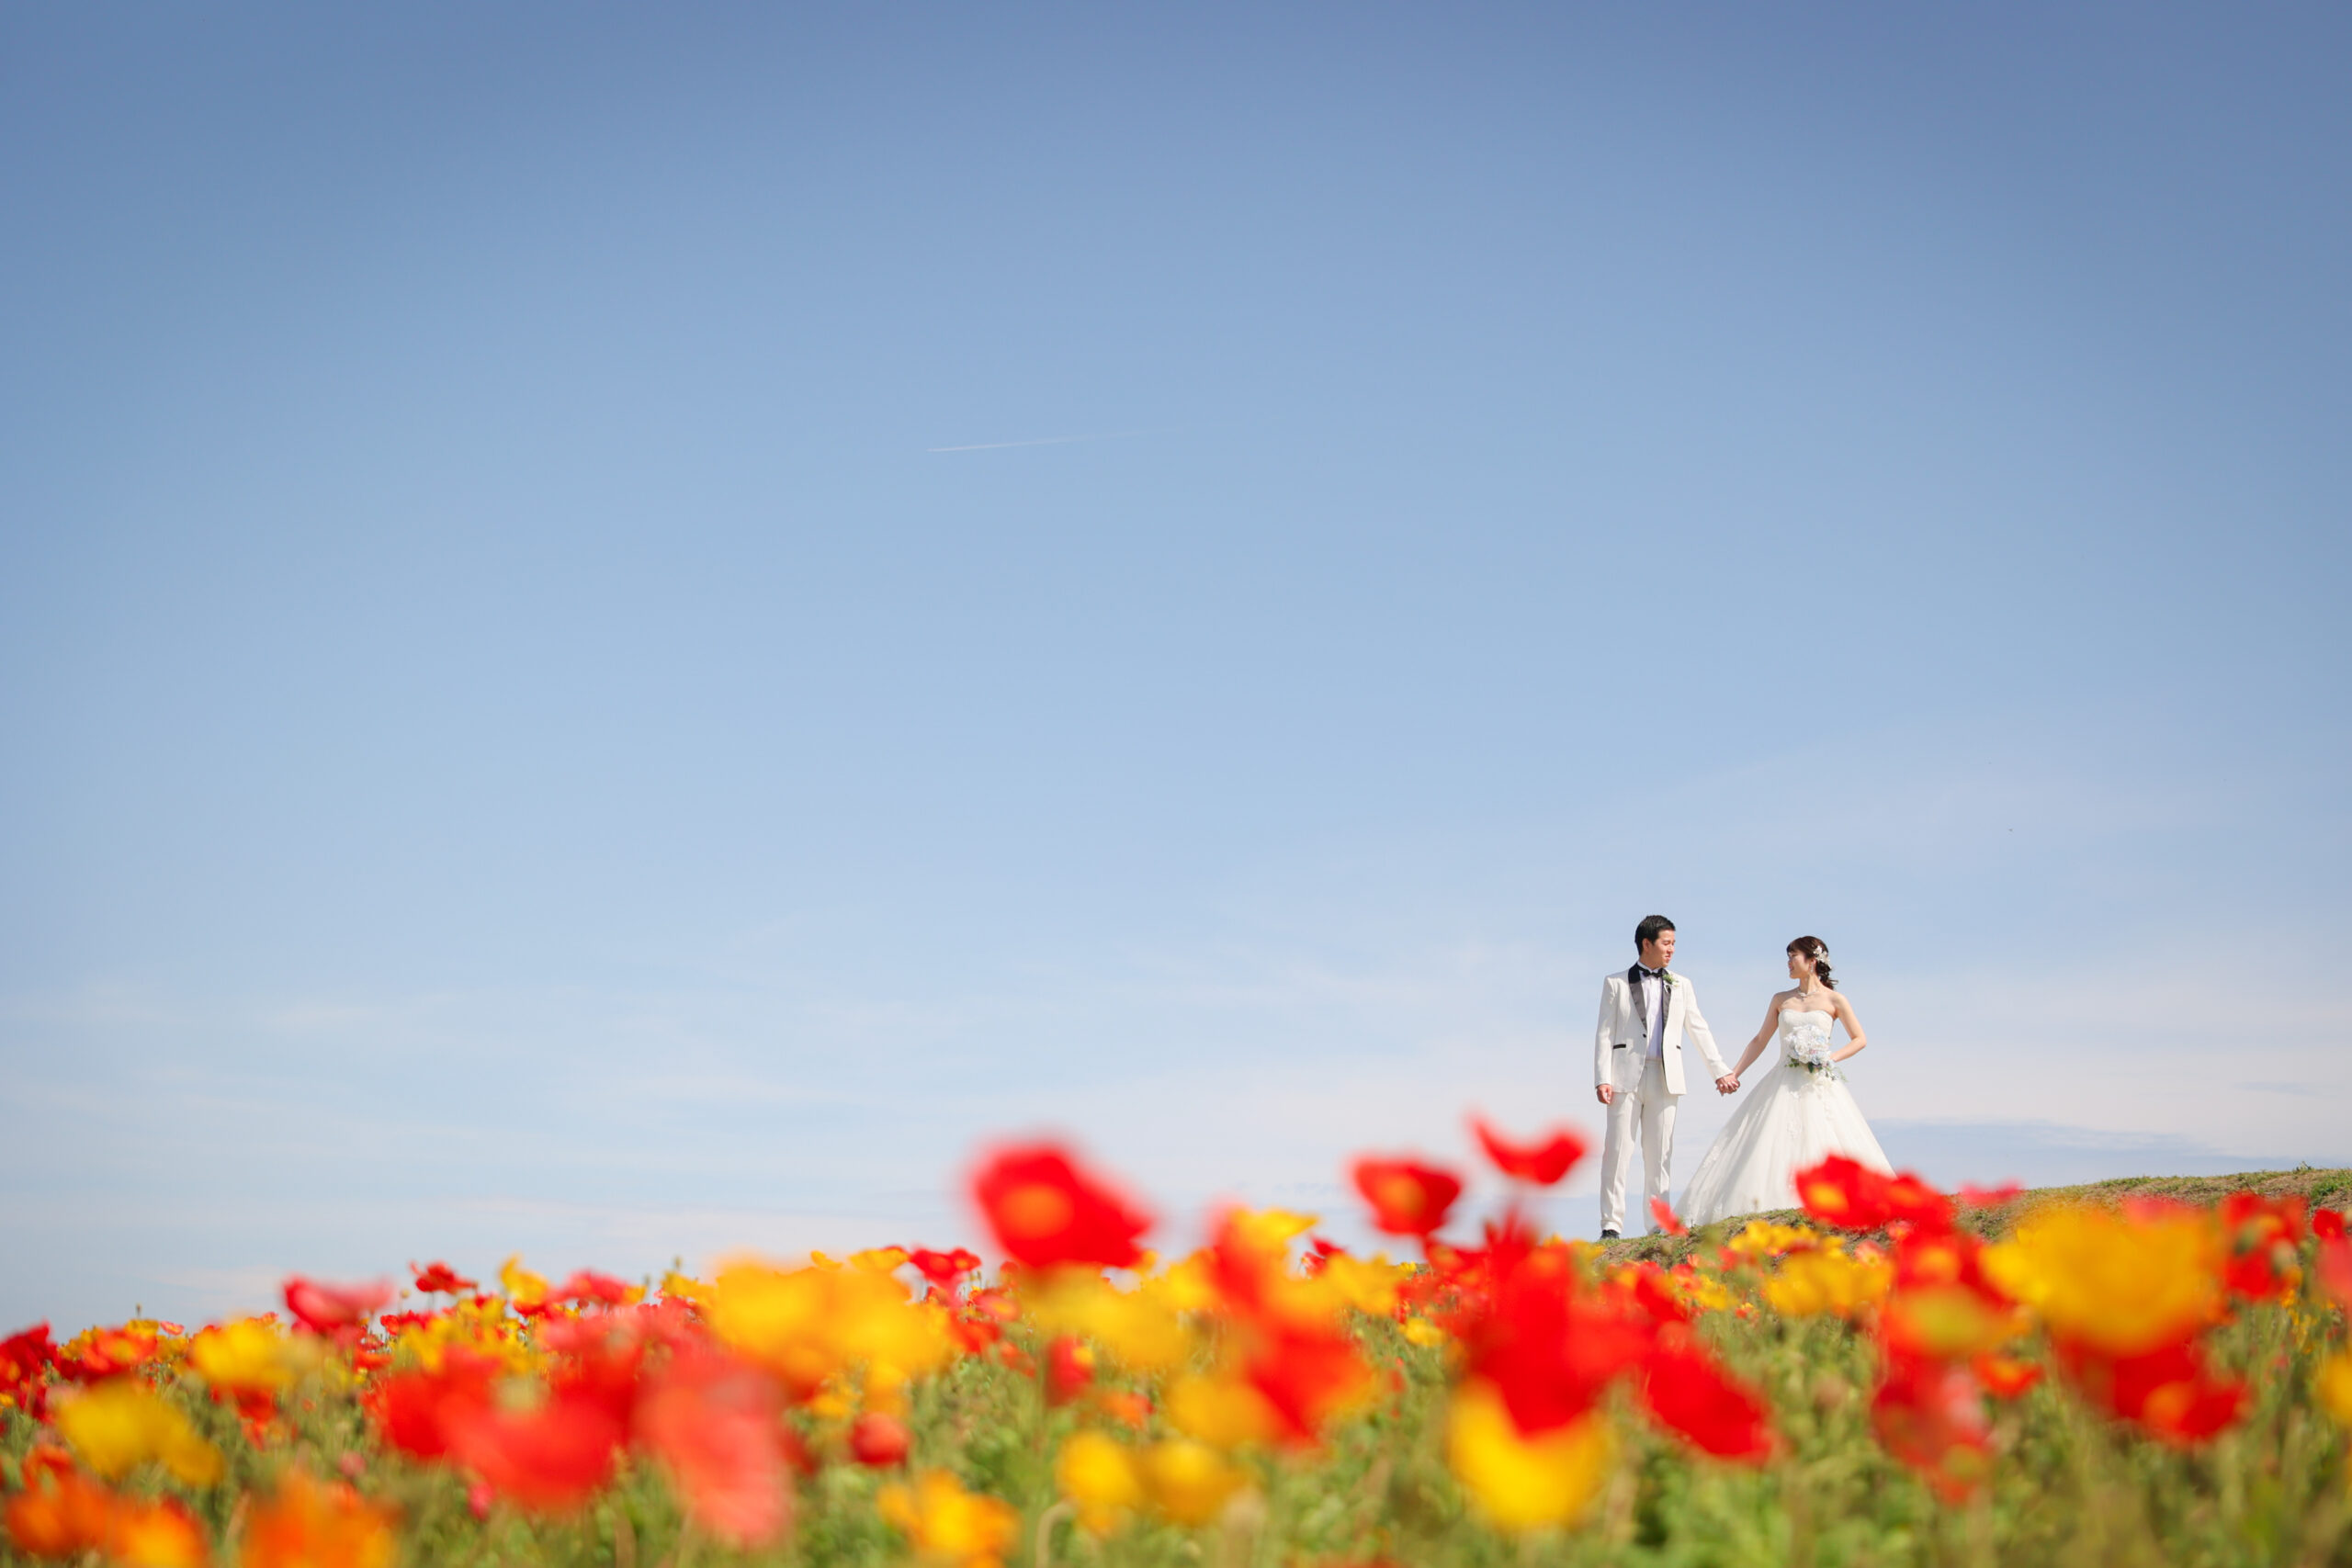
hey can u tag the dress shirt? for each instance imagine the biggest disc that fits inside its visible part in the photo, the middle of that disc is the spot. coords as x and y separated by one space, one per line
1653 1009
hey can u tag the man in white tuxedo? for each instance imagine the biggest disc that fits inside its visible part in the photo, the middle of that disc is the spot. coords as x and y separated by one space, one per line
1645 1014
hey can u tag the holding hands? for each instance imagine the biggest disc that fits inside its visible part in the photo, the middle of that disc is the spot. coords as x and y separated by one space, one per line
1727 1084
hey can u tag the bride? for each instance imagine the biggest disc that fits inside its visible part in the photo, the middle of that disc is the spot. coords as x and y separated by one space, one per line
1800 1114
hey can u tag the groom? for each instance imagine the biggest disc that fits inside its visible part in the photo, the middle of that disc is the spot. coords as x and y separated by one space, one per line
1637 1067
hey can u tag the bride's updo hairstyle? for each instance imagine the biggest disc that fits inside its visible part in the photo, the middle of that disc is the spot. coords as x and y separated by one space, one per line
1813 947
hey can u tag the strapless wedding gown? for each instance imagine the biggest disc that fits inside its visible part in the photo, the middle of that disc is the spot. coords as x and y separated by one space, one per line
1792 1119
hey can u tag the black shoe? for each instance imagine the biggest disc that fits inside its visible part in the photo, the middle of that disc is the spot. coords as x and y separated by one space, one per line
1608 1235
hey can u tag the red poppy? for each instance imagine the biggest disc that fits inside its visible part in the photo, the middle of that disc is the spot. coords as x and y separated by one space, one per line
715 1424
335 1310
1688 1393
1655 1295
45 1462
1662 1215
1301 1358
2265 1238
879 1440
23 1363
1930 1415
1975 1196
1839 1191
1043 1211
1246 1271
1910 1201
2169 1392
1407 1198
974 1332
548 1458
943 1269
670 1321
1543 1164
414 1410
1308 1373
590 1334
1070 1369
2333 1264
255 1408
2327 1224
2003 1377
1547 1351
101 1353
585 1285
1944 1258
440 1280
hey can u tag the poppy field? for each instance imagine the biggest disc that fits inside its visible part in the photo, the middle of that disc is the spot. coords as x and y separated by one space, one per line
1901 1375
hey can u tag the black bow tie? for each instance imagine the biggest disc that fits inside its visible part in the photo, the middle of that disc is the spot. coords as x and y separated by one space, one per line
1653 974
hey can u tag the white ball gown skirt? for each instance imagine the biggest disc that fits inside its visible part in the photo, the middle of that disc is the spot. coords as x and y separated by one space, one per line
1792 1119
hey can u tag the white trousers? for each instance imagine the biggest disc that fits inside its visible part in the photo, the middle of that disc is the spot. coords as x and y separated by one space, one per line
1653 1107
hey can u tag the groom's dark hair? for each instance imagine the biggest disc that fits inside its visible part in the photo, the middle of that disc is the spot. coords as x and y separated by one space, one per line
1650 929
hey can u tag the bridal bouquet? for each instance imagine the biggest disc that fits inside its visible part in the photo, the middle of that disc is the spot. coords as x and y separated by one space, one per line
1813 1056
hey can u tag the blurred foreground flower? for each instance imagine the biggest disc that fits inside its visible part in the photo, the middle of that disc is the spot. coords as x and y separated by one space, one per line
439 1279
309 1524
24 1365
808 1325
945 1524
1190 1482
1044 1209
62 1516
879 1440
1522 1481
716 1425
1103 1479
659 1424
1827 1279
548 1455
1407 1197
119 1424
1940 1319
335 1310
249 1356
2126 1297
2262 1238
943 1270
1544 1164
2120 1283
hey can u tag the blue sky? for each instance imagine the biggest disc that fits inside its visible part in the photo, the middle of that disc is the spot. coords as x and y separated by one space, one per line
621 634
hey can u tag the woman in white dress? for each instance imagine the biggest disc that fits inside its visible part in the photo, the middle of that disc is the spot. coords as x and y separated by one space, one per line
1801 1110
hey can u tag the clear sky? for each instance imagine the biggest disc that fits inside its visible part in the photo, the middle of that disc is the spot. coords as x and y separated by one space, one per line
625 630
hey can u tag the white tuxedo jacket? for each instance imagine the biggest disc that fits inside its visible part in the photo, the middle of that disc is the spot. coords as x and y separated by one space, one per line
1622 1041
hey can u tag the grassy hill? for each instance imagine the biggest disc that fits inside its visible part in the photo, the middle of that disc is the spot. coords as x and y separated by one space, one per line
2317 1186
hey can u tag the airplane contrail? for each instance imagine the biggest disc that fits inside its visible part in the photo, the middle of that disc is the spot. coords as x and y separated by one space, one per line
1040 441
